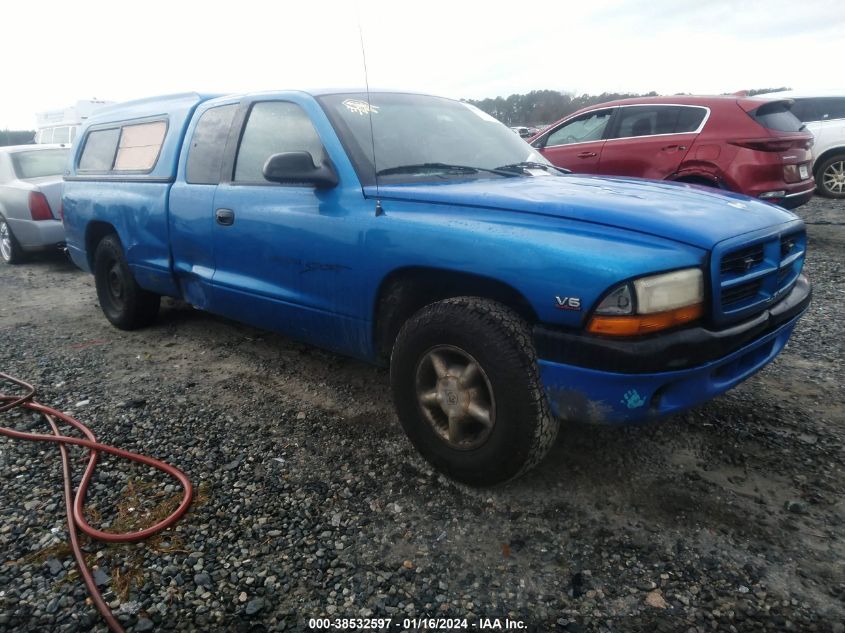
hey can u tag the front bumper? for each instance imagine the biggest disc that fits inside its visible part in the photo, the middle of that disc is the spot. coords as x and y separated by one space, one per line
618 382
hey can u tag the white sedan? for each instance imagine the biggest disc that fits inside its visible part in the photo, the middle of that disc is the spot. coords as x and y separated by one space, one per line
30 199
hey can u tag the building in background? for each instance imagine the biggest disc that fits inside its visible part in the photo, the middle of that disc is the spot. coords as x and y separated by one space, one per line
60 126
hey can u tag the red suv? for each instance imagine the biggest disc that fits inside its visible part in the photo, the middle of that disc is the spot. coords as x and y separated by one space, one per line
751 145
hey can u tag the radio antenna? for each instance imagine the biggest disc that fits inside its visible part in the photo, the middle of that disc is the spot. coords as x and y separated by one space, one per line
379 210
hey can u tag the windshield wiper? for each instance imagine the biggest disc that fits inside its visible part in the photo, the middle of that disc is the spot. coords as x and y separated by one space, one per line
423 167
527 164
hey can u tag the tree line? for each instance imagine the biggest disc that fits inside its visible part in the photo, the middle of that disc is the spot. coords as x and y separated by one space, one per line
540 107
16 137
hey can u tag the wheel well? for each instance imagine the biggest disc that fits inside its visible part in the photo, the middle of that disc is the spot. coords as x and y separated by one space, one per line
699 180
405 291
833 151
95 232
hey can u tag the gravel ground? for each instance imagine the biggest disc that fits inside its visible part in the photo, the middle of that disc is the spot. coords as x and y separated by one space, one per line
312 503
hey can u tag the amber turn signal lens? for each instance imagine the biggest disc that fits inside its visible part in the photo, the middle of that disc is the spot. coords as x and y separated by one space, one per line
639 324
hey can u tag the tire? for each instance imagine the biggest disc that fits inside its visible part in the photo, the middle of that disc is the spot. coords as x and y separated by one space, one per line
10 251
452 335
125 304
830 177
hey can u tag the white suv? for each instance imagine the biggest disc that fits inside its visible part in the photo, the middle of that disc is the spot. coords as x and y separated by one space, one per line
824 116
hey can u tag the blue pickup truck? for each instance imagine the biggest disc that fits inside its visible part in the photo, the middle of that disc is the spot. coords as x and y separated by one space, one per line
417 231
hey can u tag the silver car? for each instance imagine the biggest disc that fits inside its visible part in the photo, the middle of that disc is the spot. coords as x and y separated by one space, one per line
30 199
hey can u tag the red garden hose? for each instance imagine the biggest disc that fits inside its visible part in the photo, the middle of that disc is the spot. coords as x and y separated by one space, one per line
74 503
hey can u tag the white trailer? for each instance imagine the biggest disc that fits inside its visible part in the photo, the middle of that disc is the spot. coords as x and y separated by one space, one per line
60 126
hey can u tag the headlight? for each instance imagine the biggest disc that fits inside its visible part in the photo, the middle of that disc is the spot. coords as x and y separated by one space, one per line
650 304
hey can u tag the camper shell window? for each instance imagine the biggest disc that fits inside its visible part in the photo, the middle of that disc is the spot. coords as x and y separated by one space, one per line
127 148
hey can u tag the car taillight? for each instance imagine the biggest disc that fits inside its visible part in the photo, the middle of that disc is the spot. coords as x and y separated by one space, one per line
39 208
790 173
763 144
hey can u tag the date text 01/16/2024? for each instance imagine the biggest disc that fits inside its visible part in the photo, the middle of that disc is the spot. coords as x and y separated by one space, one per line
414 624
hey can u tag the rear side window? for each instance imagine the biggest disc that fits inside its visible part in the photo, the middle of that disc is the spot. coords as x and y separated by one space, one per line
122 149
274 127
207 144
99 150
139 146
689 119
646 121
806 110
46 135
61 135
38 163
833 108
776 116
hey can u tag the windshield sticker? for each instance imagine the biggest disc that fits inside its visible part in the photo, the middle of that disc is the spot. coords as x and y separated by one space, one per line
356 106
481 113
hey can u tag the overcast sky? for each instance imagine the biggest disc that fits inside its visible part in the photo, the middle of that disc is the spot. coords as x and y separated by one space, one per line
55 53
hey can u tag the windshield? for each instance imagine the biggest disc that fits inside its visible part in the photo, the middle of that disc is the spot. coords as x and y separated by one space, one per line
420 137
40 162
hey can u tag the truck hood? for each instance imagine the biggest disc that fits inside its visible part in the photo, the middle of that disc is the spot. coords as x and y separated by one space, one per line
695 215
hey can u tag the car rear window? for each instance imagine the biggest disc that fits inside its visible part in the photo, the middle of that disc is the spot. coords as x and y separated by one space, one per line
38 163
777 116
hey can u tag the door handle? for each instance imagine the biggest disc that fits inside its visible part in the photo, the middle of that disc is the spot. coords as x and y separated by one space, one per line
226 217
587 154
666 148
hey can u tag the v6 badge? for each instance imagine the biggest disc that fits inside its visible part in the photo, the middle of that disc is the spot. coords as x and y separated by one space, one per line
568 303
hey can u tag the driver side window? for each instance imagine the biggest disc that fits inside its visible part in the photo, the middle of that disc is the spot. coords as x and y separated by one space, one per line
274 127
587 127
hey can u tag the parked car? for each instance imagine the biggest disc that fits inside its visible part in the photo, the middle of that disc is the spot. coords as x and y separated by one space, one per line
753 146
824 116
525 132
420 232
30 199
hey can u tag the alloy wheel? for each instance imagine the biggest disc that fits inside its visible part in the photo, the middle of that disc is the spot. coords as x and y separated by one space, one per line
455 397
833 178
5 241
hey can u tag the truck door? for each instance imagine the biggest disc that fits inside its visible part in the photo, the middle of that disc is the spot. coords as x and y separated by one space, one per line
287 257
577 143
650 141
191 202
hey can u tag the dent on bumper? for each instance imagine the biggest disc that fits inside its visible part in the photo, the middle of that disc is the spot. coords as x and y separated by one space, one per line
591 395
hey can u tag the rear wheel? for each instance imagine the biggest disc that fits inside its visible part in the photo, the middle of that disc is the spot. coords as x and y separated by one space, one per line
10 250
467 390
125 304
830 177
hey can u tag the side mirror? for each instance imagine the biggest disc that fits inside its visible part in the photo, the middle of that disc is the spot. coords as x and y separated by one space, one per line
297 168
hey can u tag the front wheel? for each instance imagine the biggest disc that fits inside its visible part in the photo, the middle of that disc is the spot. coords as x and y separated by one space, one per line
467 390
125 304
10 250
830 177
